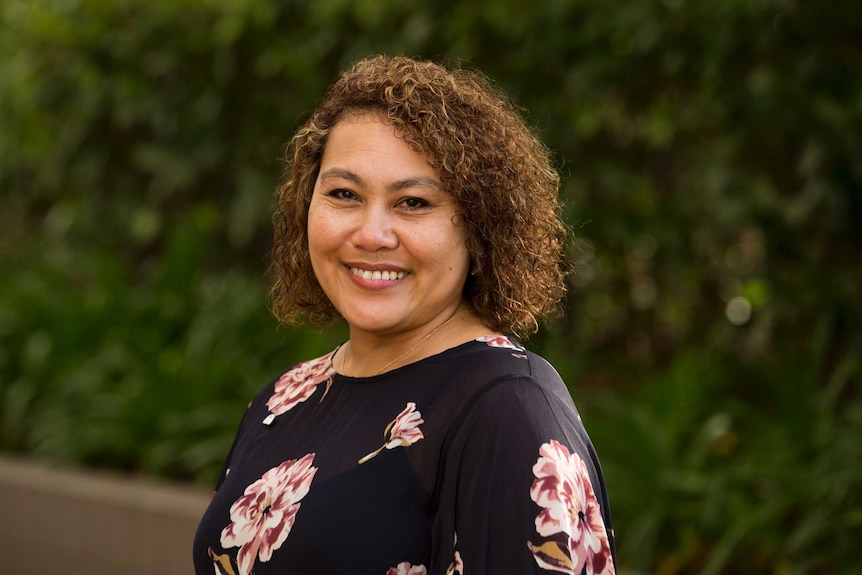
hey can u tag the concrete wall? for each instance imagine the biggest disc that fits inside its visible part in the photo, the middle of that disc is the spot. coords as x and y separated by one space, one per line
76 523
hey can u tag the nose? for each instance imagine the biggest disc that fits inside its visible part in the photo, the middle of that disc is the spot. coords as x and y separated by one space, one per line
375 229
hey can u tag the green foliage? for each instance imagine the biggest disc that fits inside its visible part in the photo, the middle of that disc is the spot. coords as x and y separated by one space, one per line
712 163
716 475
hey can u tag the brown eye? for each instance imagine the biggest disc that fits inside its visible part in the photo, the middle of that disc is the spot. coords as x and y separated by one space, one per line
342 194
414 203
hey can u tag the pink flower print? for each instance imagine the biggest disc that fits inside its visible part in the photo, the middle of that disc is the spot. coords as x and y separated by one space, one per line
402 431
406 568
499 341
457 566
562 488
298 384
263 517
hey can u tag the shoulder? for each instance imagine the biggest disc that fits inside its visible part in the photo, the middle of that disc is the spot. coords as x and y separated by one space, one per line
520 422
495 381
507 397
293 386
500 367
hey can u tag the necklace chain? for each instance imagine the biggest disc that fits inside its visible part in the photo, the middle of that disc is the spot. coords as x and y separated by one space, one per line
409 351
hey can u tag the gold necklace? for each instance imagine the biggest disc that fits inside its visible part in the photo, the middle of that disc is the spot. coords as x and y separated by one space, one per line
409 351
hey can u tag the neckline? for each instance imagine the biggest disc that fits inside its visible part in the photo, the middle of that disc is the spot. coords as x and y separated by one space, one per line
398 370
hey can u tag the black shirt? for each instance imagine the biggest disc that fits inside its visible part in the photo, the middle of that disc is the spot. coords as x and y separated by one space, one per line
472 461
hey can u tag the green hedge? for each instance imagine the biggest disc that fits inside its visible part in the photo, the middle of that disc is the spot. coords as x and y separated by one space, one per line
712 162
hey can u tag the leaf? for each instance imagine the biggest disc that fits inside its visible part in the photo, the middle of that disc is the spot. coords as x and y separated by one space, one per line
552 555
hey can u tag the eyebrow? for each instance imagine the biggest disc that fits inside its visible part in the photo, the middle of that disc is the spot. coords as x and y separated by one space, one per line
413 182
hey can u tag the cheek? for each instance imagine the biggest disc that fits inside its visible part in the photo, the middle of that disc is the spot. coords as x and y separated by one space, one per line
318 236
455 253
460 248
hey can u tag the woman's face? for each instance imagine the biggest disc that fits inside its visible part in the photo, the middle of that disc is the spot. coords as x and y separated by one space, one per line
383 236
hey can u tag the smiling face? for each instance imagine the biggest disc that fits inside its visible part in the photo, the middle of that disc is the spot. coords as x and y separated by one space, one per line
384 240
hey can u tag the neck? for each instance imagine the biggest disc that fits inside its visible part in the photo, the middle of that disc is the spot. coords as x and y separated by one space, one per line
370 358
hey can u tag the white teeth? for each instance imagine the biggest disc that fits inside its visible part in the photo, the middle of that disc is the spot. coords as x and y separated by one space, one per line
387 275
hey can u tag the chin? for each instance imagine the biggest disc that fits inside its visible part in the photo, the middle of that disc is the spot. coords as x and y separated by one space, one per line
368 320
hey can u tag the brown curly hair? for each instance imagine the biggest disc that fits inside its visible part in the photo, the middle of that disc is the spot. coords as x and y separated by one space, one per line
500 174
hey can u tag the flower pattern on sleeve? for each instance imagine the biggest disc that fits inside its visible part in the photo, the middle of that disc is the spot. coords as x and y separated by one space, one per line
499 341
401 431
503 342
406 568
571 518
457 566
299 383
264 515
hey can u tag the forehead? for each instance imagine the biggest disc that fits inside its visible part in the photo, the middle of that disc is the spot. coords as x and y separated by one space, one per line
367 142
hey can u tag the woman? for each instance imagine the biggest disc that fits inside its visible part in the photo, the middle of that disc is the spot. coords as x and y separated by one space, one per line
420 210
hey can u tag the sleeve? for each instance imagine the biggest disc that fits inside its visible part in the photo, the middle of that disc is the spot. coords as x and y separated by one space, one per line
522 490
225 468
238 436
255 411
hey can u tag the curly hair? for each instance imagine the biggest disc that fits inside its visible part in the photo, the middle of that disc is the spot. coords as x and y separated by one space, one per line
500 174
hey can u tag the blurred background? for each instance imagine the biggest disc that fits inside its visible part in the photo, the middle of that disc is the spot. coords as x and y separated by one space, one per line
711 154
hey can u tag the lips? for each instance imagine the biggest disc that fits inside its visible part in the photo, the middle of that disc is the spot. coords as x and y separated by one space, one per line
385 275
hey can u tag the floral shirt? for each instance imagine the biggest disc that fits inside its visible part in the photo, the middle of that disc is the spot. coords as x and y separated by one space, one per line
470 462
